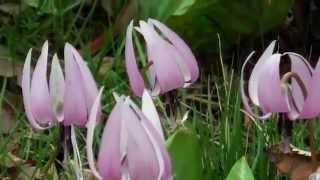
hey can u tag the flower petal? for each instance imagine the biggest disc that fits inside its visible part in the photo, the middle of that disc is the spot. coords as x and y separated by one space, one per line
158 143
167 70
244 97
181 46
40 97
25 84
89 84
75 107
311 107
149 110
94 113
135 79
272 97
56 84
141 155
256 73
303 69
109 157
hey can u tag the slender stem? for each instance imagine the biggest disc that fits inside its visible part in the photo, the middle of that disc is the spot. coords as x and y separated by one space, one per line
285 128
66 139
312 143
76 154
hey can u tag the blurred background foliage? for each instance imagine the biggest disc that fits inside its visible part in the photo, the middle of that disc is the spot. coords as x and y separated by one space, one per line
96 28
95 25
29 22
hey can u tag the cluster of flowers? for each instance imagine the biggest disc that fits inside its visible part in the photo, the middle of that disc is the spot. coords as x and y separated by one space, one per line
133 144
293 90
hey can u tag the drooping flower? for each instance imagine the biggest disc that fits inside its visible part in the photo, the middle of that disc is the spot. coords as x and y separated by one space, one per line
35 90
171 65
80 88
293 92
132 146
61 100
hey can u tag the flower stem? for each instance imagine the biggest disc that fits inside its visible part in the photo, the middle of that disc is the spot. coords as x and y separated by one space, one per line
66 139
285 129
312 143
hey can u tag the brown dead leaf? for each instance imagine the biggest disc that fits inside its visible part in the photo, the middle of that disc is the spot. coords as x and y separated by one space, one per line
10 160
27 171
11 9
296 164
10 69
7 119
88 175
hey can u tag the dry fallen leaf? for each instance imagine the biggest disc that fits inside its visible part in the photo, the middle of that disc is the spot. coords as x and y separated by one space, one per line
11 9
10 160
296 164
7 119
88 175
10 69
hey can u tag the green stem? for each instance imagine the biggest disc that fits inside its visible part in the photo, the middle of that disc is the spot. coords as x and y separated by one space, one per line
312 143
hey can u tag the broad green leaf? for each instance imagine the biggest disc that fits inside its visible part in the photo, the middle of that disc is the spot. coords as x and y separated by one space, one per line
185 152
240 171
229 18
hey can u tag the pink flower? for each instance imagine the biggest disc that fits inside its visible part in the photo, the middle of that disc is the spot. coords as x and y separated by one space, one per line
132 145
294 92
172 64
61 100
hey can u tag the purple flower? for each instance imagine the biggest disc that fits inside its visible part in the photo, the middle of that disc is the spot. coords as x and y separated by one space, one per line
171 62
294 92
67 101
132 145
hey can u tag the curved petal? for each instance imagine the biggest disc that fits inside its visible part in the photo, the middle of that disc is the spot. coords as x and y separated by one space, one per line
40 97
150 111
244 97
272 97
311 107
157 142
141 155
178 57
89 84
167 70
303 69
109 157
75 108
181 46
256 73
135 79
25 84
56 84
94 113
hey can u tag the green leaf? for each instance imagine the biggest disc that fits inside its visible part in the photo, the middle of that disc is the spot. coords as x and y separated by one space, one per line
240 171
32 3
185 152
229 18
183 7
